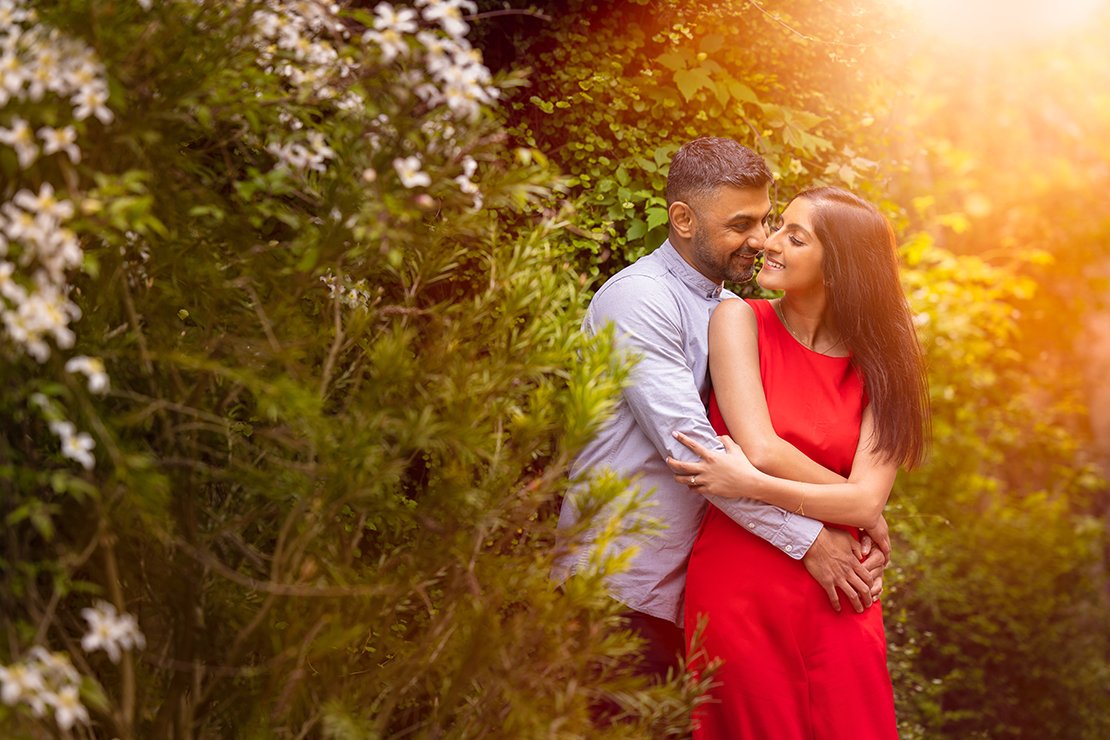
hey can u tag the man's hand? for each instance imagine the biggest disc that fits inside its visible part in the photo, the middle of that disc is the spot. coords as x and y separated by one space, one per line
833 561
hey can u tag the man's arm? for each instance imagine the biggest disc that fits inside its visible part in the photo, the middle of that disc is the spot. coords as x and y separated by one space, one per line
663 397
857 502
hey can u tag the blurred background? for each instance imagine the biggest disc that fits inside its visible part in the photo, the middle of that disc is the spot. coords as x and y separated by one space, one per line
290 295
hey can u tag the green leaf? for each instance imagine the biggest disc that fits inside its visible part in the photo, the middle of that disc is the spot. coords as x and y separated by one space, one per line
691 80
636 230
656 216
740 91
675 60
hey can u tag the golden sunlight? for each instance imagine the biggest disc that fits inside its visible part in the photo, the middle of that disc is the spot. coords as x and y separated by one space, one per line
998 23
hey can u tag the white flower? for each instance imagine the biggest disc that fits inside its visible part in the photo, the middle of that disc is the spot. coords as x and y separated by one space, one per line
392 43
409 171
91 367
90 101
44 203
470 166
18 682
12 74
21 138
83 74
293 156
60 140
297 156
104 632
448 13
463 181
56 667
45 311
110 631
75 446
320 151
389 27
79 448
436 44
43 75
401 21
146 4
59 250
10 13
21 224
68 709
62 428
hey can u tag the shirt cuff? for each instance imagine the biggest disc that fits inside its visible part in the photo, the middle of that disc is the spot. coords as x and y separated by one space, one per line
796 535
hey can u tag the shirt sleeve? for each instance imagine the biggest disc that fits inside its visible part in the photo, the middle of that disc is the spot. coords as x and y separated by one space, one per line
663 396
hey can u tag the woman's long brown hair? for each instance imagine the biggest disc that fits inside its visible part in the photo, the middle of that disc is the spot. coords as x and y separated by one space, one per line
867 306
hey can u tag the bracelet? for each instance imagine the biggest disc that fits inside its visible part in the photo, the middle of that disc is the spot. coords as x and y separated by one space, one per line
801 506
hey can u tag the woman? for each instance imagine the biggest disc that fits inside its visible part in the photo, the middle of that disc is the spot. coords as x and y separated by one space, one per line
824 389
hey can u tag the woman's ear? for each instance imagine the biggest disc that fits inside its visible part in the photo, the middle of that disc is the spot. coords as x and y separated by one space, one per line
681 218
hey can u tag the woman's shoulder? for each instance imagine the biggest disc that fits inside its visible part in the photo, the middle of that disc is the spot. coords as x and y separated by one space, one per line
735 313
739 311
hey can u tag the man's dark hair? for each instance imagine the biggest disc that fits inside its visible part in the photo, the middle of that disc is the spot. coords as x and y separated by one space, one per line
705 164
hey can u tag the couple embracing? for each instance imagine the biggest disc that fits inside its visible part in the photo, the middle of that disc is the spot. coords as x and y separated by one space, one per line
768 434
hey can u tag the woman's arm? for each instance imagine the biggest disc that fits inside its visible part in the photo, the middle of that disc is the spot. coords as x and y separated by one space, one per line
858 502
734 368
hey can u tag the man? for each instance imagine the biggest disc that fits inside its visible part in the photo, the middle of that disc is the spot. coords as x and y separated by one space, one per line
719 207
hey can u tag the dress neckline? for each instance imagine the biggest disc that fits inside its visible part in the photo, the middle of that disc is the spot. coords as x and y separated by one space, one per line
795 340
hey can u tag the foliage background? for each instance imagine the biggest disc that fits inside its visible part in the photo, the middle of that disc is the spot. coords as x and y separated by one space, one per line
332 510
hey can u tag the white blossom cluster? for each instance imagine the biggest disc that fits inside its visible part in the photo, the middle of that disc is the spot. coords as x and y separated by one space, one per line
311 155
36 60
47 682
40 64
33 233
293 39
353 294
51 86
453 73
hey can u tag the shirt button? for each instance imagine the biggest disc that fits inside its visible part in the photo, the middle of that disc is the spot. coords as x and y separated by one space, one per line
751 525
788 548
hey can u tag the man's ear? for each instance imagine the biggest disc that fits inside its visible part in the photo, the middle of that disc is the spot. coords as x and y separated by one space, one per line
681 218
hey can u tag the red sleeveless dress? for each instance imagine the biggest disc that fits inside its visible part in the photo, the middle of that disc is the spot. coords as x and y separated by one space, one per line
793 668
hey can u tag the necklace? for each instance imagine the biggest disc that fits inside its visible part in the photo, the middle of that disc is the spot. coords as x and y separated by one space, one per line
782 316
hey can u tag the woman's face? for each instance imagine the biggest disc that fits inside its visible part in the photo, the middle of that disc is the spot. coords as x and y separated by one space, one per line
792 256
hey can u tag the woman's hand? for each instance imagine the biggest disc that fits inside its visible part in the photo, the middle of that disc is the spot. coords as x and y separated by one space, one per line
729 474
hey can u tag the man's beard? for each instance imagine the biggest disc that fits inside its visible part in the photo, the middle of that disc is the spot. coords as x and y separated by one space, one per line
733 267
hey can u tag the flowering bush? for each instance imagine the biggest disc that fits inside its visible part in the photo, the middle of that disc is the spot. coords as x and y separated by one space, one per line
283 390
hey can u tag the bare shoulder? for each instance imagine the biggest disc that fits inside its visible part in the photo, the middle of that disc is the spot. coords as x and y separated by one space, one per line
733 312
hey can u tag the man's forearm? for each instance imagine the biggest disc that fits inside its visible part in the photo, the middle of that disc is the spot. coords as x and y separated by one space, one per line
791 533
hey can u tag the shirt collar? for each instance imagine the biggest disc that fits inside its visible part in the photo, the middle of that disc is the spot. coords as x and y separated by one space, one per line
686 272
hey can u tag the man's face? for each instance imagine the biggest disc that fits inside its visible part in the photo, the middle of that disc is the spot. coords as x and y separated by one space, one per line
730 226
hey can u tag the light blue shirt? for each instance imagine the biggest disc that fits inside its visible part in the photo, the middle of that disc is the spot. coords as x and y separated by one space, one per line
660 308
